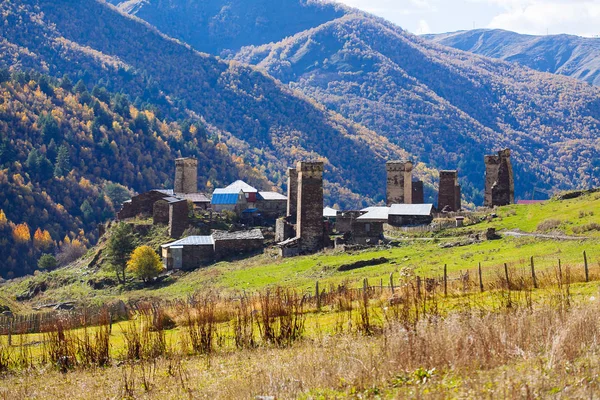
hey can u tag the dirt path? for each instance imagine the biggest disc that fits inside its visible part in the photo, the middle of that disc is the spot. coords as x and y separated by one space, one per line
518 233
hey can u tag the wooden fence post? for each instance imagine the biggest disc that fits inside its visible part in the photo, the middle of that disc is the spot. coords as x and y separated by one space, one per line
445 280
480 279
559 272
533 277
318 296
419 287
587 271
392 282
507 277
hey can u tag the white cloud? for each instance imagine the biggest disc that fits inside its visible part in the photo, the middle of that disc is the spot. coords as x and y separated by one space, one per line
423 27
579 17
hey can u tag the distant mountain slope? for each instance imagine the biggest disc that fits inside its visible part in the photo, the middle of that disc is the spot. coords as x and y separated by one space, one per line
217 26
573 56
444 106
263 122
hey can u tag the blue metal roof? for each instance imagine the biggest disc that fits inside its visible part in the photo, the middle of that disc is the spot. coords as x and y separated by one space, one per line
224 198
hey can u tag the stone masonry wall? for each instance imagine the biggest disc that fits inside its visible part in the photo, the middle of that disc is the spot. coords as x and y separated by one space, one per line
186 175
160 214
418 192
292 194
399 182
178 218
499 180
310 206
449 191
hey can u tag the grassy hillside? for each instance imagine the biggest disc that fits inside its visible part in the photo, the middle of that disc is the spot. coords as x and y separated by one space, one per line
265 124
446 107
424 256
568 55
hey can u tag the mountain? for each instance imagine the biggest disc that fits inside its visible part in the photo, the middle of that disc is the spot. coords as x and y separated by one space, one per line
568 55
445 107
224 26
70 155
261 121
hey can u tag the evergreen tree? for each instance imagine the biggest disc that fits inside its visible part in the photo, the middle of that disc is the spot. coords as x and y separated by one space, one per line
63 164
4 75
119 247
7 153
47 262
66 83
80 87
45 86
49 127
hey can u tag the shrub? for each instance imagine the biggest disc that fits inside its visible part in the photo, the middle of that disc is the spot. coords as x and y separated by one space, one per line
548 225
594 226
144 263
47 262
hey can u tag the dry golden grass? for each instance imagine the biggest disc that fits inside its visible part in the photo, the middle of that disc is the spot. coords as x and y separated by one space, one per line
521 353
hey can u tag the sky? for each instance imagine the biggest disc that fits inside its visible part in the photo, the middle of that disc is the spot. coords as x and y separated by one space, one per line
537 17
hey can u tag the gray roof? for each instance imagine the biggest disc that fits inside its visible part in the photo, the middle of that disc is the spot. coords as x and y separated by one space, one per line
240 235
243 186
411 209
375 214
172 199
193 197
329 212
272 196
192 241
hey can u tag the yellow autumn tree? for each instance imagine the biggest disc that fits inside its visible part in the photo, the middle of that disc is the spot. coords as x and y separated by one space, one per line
3 219
21 233
144 263
42 239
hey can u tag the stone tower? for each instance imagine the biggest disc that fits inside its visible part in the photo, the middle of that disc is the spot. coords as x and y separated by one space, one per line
399 182
449 191
499 180
292 193
418 192
186 175
309 226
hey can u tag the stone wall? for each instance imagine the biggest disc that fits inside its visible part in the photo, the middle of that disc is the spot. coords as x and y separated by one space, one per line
344 221
292 194
140 205
186 175
309 226
284 230
409 220
418 192
160 214
399 182
197 256
178 218
449 192
499 180
364 232
225 249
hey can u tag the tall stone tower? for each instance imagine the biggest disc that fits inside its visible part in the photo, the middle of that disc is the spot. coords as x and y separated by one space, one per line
449 191
399 182
309 226
186 175
499 180
292 193
418 192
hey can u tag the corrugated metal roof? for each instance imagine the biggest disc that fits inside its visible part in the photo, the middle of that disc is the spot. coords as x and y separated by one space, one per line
240 235
243 186
192 241
193 197
271 196
375 214
225 198
329 212
168 192
172 199
411 209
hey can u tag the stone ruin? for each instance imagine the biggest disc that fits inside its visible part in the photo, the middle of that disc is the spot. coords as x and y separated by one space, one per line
449 192
399 182
302 230
499 180
186 175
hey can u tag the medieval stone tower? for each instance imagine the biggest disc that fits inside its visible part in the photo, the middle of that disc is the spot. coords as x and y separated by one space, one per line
449 191
309 227
292 194
399 182
499 180
186 175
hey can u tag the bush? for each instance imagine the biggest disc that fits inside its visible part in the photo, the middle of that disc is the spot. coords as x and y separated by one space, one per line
144 263
47 262
594 226
548 225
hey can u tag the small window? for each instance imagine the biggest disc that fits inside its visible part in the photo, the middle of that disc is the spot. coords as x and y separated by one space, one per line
367 227
247 195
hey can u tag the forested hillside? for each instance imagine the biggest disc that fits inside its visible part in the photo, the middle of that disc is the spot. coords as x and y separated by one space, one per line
223 26
263 122
574 56
71 154
446 107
